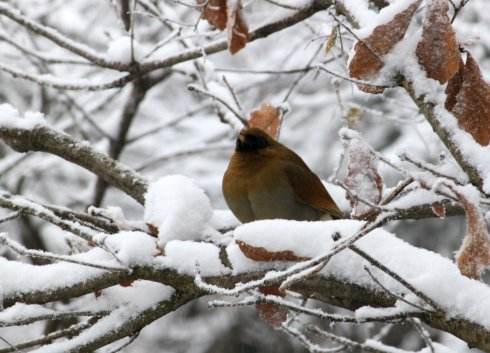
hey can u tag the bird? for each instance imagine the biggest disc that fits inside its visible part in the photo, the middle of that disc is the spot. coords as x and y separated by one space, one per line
267 180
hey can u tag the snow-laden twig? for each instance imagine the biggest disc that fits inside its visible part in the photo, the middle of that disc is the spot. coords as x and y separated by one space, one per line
348 79
423 333
54 315
258 298
189 151
27 207
21 250
64 84
394 295
194 88
275 277
58 38
397 277
45 339
310 346
365 347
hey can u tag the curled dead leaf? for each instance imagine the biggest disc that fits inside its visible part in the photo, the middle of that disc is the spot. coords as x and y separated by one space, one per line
267 118
258 253
273 314
468 98
438 50
367 60
225 14
237 28
473 257
214 11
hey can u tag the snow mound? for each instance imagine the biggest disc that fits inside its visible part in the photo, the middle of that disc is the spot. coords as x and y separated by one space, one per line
11 118
178 208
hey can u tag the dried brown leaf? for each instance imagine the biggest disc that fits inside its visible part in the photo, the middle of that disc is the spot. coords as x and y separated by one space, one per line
438 50
215 12
454 86
267 118
224 14
258 253
152 230
469 100
367 62
273 314
126 283
474 254
237 28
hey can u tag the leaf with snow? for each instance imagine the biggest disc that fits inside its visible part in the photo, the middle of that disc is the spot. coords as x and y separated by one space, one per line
267 118
468 98
227 14
367 62
258 253
438 51
473 257
237 27
361 173
214 11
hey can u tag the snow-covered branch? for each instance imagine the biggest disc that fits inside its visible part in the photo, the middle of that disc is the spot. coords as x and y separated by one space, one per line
45 139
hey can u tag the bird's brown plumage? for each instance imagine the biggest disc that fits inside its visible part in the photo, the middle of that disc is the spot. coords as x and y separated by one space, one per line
266 180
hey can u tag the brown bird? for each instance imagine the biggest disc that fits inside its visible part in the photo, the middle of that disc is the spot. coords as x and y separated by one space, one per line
266 180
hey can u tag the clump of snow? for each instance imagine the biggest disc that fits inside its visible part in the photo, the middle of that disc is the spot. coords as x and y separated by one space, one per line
187 256
132 248
386 14
121 50
223 219
306 239
11 118
178 208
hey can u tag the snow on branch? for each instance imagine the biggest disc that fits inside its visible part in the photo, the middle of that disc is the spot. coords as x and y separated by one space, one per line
261 32
342 281
45 139
58 38
65 84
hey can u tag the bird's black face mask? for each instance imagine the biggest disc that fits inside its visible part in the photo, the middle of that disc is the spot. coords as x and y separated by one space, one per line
250 143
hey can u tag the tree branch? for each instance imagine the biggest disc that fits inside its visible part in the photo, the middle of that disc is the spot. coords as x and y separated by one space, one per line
45 139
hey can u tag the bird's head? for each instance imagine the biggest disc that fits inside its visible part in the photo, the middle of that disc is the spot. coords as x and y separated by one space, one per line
253 140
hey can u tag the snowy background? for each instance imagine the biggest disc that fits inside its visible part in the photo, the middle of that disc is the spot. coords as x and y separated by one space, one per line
175 131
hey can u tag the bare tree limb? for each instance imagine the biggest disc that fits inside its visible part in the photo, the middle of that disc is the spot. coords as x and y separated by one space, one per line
45 139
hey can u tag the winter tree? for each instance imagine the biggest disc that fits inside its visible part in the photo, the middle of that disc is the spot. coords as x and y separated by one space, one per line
118 118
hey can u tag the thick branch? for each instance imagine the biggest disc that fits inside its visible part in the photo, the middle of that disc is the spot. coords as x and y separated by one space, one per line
330 290
427 109
43 138
136 97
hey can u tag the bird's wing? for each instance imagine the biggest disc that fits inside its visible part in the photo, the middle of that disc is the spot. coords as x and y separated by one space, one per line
308 189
